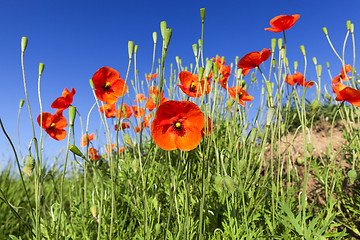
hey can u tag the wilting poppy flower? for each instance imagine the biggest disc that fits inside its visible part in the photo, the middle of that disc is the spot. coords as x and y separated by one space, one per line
53 124
190 84
140 97
299 79
138 111
125 111
93 154
282 22
65 100
253 59
177 125
108 109
154 94
122 149
150 76
108 85
242 95
139 129
86 139
124 125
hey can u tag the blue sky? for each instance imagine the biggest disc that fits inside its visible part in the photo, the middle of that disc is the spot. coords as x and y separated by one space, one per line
75 38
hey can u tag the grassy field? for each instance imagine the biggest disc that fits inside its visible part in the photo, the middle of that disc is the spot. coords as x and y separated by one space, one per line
200 155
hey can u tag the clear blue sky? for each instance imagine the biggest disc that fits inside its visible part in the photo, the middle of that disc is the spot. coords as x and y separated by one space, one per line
75 38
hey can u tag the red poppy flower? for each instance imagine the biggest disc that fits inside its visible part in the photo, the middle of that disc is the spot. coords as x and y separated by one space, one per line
154 94
138 111
241 93
125 111
93 154
190 84
253 59
224 72
282 22
140 97
177 125
109 148
65 100
86 139
345 93
139 129
124 125
122 149
53 124
108 109
108 85
150 76
299 79
343 75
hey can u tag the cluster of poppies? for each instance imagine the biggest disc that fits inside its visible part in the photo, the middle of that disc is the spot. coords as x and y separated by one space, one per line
179 124
54 124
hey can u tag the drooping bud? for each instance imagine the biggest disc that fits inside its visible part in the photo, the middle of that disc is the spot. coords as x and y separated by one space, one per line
302 48
229 183
21 103
154 35
352 174
29 165
270 115
202 14
195 49
76 151
325 31
208 68
128 140
273 44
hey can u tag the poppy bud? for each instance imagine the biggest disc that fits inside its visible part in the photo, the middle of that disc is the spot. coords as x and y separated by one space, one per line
242 164
21 103
319 69
135 165
201 72
218 184
286 61
76 151
229 104
273 62
269 88
325 31
327 65
41 68
314 60
300 161
130 49
295 65
352 28
229 183
163 27
168 33
270 115
208 68
310 148
238 73
252 135
154 35
72 113
135 49
128 140
302 48
280 42
352 174
24 41
177 59
200 44
214 69
29 165
93 210
348 25
273 44
202 14
195 49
